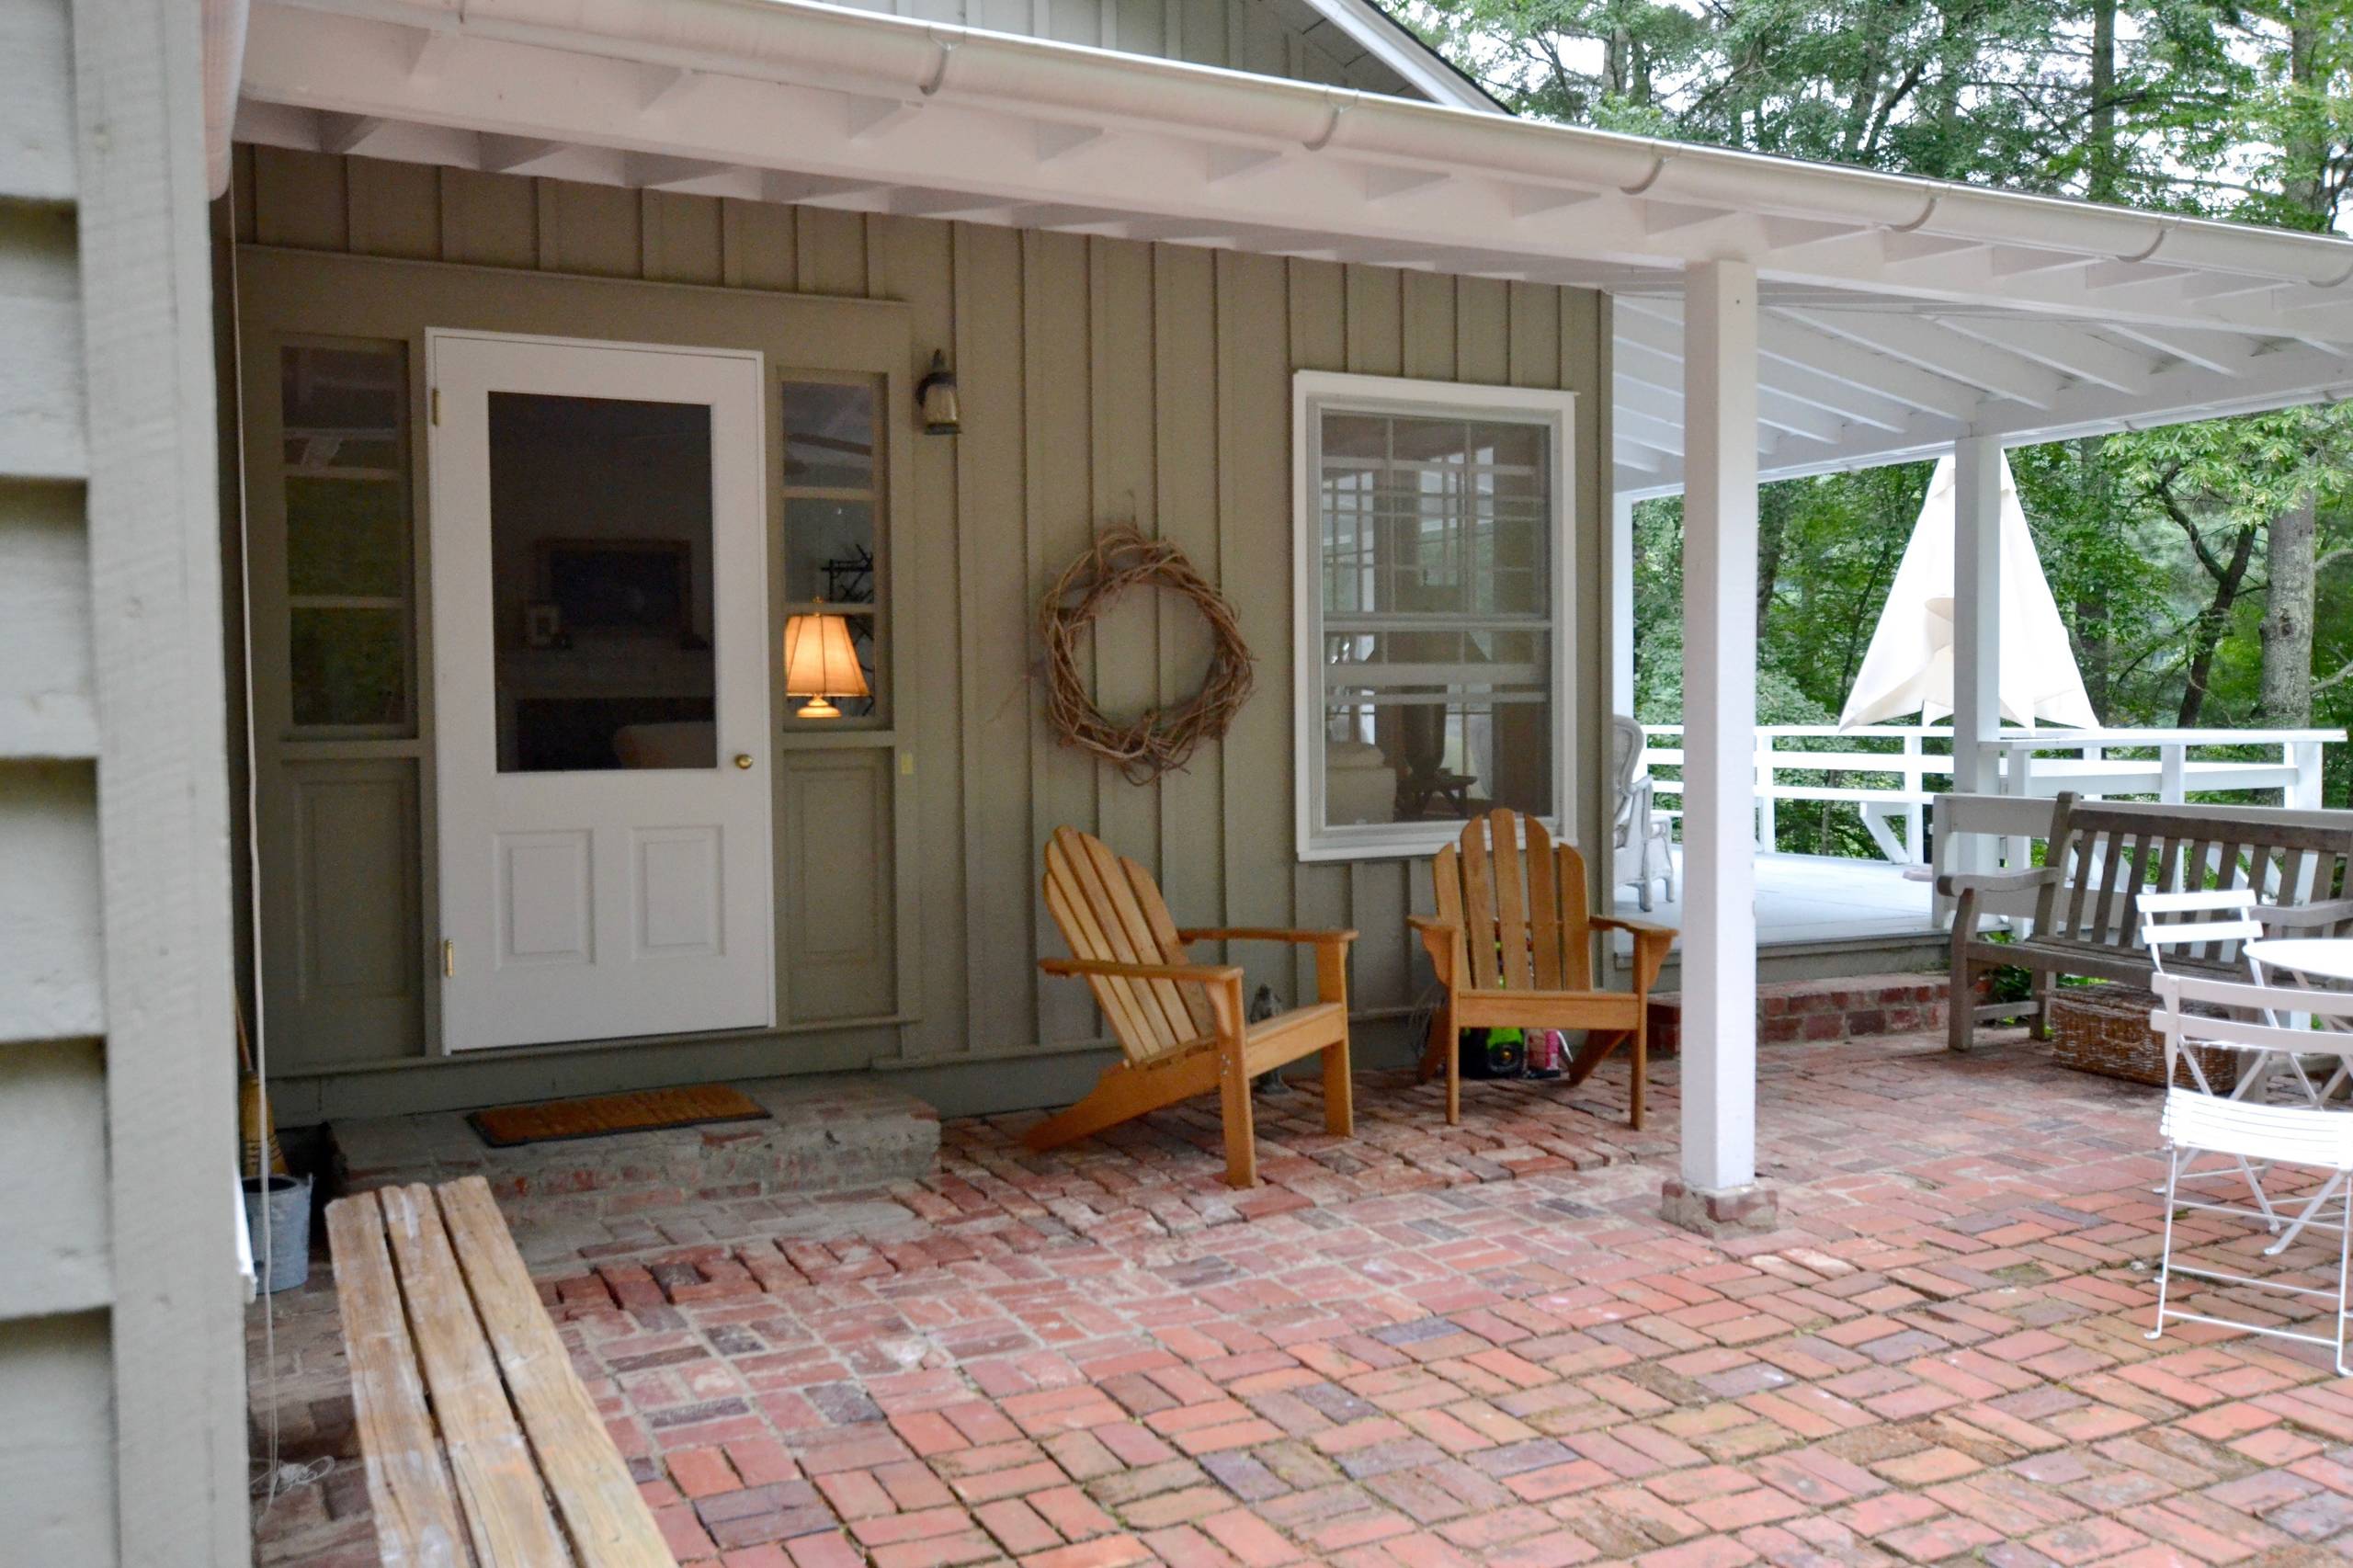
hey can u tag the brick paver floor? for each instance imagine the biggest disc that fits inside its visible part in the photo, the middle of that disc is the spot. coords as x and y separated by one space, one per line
1422 1348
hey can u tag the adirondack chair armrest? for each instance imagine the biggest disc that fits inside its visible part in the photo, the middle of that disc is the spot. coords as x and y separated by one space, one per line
2304 916
1952 885
1202 973
1261 934
1650 944
1441 939
1634 928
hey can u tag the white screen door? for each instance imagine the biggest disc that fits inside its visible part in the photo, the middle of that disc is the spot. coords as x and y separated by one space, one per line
600 690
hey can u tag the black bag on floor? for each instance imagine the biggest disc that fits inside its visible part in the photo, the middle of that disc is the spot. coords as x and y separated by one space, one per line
1493 1053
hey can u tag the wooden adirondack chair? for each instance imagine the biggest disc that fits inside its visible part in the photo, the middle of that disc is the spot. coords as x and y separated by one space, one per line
1512 942
1181 1023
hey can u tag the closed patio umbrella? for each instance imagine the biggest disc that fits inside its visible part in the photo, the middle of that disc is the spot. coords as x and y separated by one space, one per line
1909 666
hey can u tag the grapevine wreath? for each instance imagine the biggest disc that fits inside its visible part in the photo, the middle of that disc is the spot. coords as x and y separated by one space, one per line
1158 739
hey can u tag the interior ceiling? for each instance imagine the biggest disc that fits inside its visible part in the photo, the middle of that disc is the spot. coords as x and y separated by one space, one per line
1875 345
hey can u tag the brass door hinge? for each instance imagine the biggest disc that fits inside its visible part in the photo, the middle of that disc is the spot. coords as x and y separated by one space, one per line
437 406
449 959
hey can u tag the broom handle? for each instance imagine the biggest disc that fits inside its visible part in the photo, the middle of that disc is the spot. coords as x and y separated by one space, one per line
244 1052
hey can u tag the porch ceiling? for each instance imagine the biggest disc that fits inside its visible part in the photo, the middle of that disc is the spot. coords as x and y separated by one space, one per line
1899 313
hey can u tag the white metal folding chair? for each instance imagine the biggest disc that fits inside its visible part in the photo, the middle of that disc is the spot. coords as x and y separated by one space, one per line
2197 1124
2195 1014
2219 921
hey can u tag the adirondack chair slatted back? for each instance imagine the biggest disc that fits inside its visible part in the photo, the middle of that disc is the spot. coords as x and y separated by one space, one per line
1522 910
2110 855
1109 910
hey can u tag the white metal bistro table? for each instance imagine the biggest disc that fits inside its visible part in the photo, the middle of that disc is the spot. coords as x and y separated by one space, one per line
2320 963
2326 959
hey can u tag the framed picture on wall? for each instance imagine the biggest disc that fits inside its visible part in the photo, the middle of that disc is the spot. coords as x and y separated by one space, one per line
636 586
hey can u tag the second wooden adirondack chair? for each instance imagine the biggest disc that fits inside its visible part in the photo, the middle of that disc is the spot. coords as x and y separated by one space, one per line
1181 1023
1512 942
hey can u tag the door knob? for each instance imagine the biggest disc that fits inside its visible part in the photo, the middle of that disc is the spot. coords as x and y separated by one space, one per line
742 759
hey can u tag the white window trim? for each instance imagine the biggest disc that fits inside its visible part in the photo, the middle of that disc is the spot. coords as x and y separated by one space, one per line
1313 391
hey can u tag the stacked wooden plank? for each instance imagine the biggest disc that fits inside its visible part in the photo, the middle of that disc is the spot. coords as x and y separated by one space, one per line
481 1444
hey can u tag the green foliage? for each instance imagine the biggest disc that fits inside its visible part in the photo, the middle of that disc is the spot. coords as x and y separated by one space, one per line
2156 544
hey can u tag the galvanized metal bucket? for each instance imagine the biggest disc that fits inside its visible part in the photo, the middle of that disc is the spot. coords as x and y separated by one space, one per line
277 1217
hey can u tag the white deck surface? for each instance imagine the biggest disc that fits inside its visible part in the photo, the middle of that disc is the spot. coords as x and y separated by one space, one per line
1816 898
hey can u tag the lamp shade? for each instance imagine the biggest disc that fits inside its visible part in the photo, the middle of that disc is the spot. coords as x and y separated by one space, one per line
820 662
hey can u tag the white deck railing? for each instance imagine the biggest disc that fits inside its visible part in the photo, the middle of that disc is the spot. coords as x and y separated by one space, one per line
1888 786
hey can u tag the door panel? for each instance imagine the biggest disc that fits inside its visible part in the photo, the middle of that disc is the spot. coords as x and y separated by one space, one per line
600 683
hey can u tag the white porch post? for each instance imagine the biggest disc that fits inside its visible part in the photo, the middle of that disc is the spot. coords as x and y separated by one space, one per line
1977 612
1716 1189
1622 605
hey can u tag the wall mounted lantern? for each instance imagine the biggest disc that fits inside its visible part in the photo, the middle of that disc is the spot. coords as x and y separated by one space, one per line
935 398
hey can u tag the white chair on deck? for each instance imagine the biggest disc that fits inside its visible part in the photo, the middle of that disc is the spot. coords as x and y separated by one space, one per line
2197 1124
2207 932
2259 1023
1642 838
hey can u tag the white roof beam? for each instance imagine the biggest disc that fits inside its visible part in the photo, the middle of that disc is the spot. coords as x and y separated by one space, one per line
779 184
1058 139
351 133
1386 183
1800 346
2069 350
1632 423
1927 347
2226 353
666 86
514 154
653 171
1656 341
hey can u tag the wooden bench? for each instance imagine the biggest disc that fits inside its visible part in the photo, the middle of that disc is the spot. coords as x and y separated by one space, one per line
481 1445
2102 855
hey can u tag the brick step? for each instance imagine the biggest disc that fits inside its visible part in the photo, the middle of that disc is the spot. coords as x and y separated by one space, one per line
826 1135
1850 1007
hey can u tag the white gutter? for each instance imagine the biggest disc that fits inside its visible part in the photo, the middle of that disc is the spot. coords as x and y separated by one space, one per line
852 50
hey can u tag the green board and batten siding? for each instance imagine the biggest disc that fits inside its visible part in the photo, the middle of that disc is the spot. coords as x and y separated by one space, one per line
1101 380
121 1410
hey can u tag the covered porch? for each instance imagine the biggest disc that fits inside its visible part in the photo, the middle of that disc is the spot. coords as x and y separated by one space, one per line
1763 319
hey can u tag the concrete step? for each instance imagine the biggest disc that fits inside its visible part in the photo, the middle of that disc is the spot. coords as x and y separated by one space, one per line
824 1135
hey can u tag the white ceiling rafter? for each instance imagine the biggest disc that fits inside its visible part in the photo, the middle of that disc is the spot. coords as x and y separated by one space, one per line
351 133
515 155
1928 345
2071 351
1057 139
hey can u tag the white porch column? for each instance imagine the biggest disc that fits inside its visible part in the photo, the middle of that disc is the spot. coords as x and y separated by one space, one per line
1622 605
1716 1189
1977 612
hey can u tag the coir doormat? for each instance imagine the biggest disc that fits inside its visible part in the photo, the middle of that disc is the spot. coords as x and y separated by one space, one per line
555 1122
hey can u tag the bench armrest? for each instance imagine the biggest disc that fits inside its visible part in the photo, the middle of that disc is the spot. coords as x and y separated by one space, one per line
2303 917
1952 885
1634 928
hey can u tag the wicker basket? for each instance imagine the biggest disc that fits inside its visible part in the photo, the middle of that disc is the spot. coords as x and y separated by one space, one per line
2105 1029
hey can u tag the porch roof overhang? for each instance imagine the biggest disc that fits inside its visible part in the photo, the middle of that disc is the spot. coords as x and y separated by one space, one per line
1899 314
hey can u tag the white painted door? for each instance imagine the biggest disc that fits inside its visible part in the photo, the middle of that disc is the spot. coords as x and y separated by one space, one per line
600 690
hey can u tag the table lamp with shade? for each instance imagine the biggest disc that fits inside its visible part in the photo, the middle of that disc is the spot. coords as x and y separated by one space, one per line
821 663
